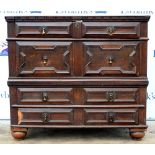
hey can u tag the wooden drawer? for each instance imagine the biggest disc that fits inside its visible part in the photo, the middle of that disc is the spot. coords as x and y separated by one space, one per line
96 116
113 96
85 116
40 58
64 58
111 29
41 116
78 96
43 29
78 29
113 58
45 96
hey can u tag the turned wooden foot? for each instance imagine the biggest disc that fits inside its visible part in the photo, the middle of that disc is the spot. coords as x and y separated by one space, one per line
19 133
137 134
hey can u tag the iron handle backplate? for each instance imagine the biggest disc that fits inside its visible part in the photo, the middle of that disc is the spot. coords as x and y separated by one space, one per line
111 95
44 117
111 117
110 30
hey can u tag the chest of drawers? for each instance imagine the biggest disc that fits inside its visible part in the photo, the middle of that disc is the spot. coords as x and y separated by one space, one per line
78 72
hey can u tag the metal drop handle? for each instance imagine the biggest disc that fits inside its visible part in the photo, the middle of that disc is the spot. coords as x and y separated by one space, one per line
44 96
110 60
111 96
110 30
45 59
44 117
43 32
110 117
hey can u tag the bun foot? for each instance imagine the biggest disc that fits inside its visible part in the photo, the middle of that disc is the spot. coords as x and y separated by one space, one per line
137 134
19 133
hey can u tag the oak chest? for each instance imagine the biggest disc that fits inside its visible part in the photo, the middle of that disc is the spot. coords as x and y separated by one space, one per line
78 72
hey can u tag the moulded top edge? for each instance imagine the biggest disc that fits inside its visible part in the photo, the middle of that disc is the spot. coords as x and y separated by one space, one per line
73 18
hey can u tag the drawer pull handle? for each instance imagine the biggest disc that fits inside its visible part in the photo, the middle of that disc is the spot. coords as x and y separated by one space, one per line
111 96
45 59
110 117
110 30
43 31
44 117
110 60
45 96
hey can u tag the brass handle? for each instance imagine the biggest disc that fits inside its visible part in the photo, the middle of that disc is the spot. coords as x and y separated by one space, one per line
43 31
110 60
110 30
45 59
110 117
111 96
45 96
44 117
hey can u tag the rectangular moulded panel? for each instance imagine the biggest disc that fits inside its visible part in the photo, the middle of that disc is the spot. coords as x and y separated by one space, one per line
40 58
111 96
111 29
112 58
43 29
101 116
45 116
45 96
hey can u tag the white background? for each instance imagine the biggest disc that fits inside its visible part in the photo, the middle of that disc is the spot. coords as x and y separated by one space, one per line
76 7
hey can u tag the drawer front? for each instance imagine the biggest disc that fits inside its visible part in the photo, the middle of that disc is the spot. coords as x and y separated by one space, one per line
78 29
114 96
86 116
44 58
54 96
78 96
110 116
111 29
111 58
43 29
43 116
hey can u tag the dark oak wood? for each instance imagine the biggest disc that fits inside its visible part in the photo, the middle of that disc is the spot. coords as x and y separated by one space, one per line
78 72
